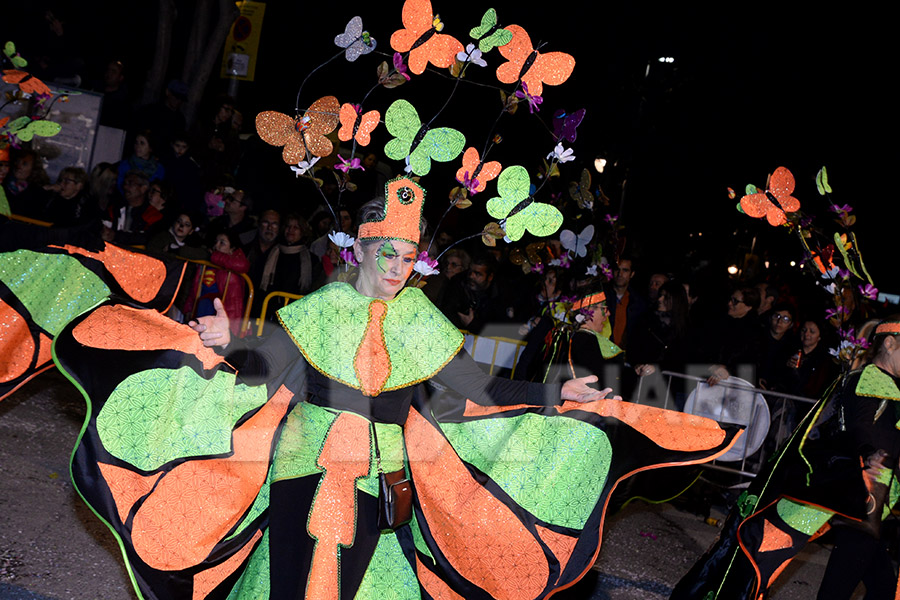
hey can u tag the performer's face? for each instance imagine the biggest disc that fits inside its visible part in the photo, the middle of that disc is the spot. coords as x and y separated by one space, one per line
384 267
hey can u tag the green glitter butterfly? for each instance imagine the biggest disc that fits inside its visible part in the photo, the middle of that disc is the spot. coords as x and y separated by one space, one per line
416 141
488 35
519 209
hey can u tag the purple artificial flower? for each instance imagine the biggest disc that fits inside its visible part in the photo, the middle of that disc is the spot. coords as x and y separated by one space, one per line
348 257
611 219
425 265
348 165
607 271
869 291
844 210
837 312
538 268
471 184
400 66
534 102
806 221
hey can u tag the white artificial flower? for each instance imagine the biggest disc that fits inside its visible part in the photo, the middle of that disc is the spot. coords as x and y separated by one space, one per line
424 268
592 271
472 54
304 165
341 239
561 154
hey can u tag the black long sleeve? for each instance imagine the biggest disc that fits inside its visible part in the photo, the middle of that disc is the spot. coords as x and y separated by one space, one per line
464 377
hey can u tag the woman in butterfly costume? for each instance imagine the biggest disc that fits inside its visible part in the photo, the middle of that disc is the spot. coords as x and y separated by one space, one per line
837 471
254 472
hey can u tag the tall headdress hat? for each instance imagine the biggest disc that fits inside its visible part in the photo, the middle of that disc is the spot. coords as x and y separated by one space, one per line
403 200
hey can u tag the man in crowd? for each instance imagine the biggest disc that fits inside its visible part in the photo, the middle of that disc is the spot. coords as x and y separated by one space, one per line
626 306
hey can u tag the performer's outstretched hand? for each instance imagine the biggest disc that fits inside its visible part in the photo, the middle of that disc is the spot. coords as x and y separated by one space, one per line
213 330
579 391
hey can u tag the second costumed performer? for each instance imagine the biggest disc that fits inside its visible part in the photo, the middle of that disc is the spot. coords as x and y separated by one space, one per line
257 472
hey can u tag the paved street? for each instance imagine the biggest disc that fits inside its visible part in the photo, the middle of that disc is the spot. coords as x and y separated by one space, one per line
53 548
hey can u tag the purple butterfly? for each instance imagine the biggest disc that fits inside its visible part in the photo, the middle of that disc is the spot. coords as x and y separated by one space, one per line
565 124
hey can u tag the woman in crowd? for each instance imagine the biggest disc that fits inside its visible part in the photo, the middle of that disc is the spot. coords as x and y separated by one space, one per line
142 160
811 368
291 267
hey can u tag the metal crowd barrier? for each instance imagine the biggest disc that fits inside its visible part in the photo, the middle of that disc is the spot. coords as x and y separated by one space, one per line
734 401
261 319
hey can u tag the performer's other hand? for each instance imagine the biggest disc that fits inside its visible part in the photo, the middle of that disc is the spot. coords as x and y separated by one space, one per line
579 390
213 330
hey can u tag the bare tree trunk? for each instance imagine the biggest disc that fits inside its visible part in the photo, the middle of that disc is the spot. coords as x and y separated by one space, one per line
197 39
212 52
156 76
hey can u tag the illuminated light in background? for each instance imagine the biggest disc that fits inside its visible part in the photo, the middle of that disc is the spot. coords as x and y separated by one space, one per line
732 270
666 59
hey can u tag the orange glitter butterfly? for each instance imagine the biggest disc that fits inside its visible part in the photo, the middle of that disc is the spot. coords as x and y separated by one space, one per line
527 65
26 82
355 124
474 173
422 40
775 201
299 135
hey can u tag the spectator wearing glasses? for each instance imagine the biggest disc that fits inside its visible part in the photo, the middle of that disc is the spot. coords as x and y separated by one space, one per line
68 203
235 219
734 341
777 343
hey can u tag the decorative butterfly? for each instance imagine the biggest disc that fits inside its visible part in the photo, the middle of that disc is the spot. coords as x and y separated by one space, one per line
355 41
577 243
26 82
475 173
526 64
775 201
519 210
421 38
565 124
355 124
488 35
580 191
299 135
9 49
25 128
416 141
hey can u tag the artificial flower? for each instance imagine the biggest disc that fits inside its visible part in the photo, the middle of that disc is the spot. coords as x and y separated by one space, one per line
471 54
425 265
399 66
869 291
349 165
348 257
304 165
607 271
591 270
845 209
341 239
534 102
611 219
561 154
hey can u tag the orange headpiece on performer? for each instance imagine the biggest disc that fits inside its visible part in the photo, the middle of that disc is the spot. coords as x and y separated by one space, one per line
588 301
4 154
403 201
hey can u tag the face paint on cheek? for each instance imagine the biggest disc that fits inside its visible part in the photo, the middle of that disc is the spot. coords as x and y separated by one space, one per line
385 251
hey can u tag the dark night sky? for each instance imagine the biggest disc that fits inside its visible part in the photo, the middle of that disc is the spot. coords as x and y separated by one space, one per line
753 87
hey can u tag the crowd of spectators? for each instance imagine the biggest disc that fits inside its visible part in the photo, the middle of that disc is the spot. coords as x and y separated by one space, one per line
175 193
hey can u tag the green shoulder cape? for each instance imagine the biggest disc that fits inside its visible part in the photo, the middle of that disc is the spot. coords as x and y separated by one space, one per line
329 327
